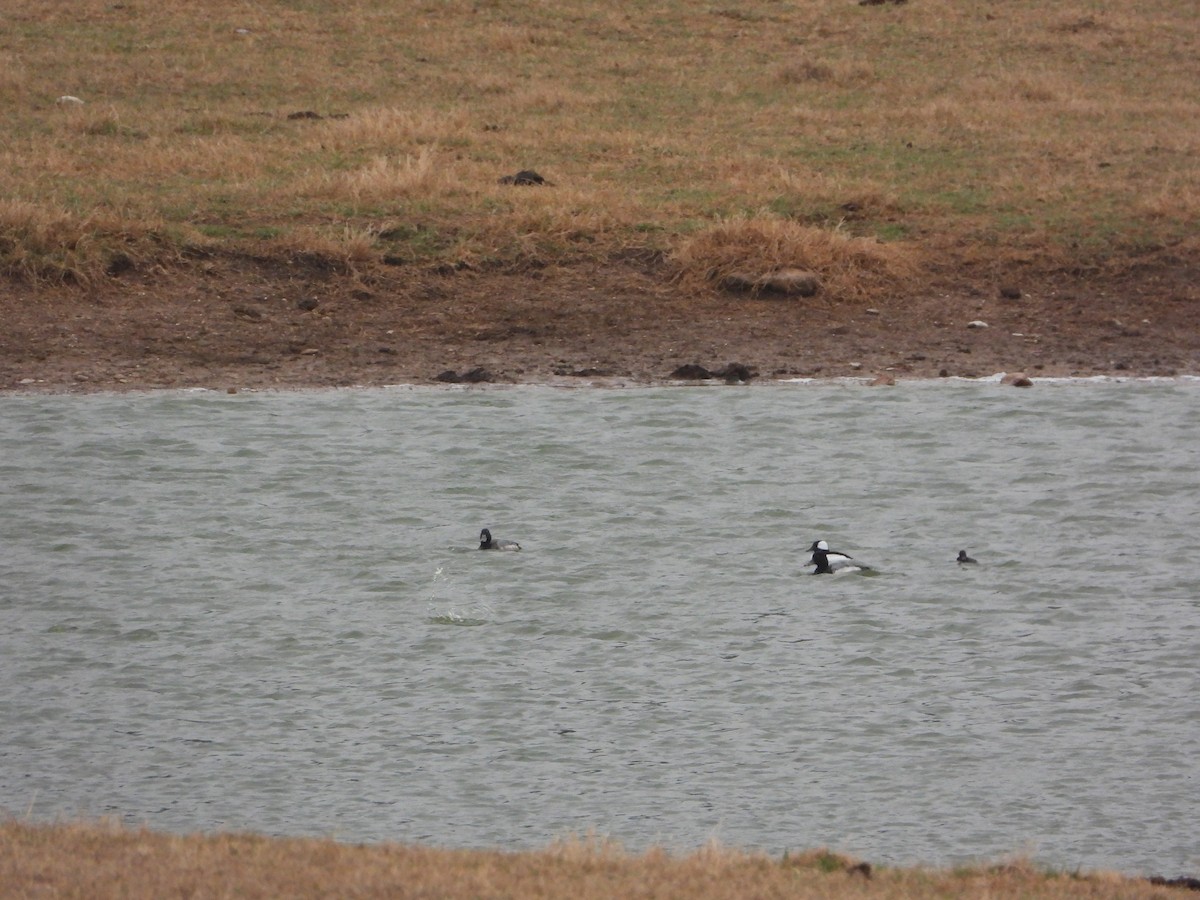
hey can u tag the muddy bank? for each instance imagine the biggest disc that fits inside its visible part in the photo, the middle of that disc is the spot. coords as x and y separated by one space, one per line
252 324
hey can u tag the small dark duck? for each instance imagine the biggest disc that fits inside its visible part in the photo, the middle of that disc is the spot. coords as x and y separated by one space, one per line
486 542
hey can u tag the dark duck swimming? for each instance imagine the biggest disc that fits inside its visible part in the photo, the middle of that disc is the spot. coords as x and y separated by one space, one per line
487 542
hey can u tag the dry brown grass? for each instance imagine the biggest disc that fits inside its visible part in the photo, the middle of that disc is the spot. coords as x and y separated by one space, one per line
848 267
1017 128
94 861
39 242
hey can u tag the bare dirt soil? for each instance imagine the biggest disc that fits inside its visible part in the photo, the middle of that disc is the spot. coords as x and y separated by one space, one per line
233 323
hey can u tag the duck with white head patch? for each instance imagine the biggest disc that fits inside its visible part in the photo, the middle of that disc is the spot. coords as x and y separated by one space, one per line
833 562
486 542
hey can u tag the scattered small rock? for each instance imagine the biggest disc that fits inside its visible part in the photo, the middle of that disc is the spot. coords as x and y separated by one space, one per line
1017 379
308 304
231 390
943 373
585 372
448 377
249 313
735 373
68 100
478 375
883 380
1010 292
526 177
978 323
305 114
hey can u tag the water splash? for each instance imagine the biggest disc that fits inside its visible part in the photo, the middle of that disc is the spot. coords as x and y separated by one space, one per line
477 614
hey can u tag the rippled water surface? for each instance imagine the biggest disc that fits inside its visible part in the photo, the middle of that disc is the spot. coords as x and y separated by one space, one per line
266 612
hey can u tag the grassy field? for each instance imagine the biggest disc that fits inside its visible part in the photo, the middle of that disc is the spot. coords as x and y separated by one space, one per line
97 861
823 134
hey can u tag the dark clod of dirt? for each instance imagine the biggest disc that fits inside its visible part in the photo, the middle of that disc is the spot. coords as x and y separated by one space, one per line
585 372
119 264
1192 884
308 114
733 373
308 304
1010 292
525 177
478 375
692 372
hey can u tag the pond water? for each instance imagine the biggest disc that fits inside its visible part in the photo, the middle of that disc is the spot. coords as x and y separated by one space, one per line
267 612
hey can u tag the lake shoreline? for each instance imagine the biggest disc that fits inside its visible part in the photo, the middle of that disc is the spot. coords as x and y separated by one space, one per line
236 324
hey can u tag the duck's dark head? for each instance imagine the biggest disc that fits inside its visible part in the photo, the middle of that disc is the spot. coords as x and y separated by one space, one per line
485 539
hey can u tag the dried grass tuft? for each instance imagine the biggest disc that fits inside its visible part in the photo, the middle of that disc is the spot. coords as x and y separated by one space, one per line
849 267
842 73
43 244
346 250
391 130
387 178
